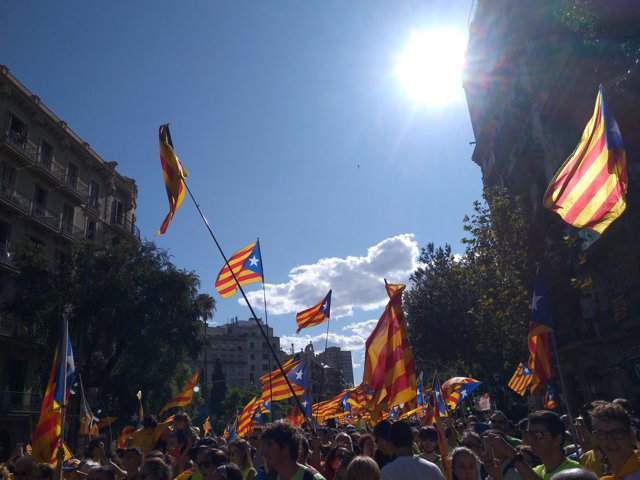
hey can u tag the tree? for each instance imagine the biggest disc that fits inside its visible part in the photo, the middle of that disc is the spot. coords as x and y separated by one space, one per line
468 314
218 389
135 321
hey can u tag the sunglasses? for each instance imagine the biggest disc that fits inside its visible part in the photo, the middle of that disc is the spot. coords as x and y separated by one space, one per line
617 434
537 435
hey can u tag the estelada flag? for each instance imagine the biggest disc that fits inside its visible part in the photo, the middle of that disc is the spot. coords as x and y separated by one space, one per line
456 389
174 175
520 380
550 398
589 190
274 385
540 326
246 265
389 368
315 315
185 395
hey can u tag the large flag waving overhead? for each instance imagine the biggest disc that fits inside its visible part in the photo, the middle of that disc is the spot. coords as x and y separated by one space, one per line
540 326
456 389
246 264
174 175
185 395
46 437
589 190
389 367
295 370
315 315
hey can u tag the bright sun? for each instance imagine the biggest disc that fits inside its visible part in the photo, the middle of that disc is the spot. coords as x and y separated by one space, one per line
430 67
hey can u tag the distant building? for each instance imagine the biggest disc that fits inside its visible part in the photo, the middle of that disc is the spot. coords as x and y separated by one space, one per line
340 360
242 350
55 190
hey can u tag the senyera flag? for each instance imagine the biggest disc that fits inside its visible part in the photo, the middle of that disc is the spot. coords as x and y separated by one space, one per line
589 190
315 315
246 265
174 175
185 396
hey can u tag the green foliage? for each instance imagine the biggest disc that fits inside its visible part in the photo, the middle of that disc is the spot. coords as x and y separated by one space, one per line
136 318
232 405
468 314
218 389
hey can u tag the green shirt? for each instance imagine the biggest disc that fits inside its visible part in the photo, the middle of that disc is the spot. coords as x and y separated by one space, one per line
299 475
565 465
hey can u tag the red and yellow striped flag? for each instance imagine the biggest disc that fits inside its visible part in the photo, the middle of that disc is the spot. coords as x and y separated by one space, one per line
279 390
389 367
245 419
589 190
246 265
174 175
521 380
315 315
184 396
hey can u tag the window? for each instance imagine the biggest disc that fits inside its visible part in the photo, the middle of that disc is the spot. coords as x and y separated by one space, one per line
8 177
90 231
117 212
5 239
252 356
94 194
18 131
253 368
67 218
72 175
46 154
264 356
265 367
40 196
250 344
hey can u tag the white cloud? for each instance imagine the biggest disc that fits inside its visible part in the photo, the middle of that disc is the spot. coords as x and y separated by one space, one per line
357 282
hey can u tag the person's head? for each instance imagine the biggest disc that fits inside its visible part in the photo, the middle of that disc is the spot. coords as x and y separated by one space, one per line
401 436
334 457
611 425
575 474
228 471
131 460
95 449
181 420
366 445
341 472
381 433
256 437
498 421
87 465
464 464
155 469
240 453
472 441
23 468
280 445
626 404
344 440
545 434
208 459
428 437
363 468
43 471
150 421
323 435
102 473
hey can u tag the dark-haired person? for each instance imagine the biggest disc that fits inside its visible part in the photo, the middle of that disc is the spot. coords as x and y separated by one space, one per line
545 435
611 425
280 446
384 452
131 460
155 469
43 471
228 471
406 466
428 437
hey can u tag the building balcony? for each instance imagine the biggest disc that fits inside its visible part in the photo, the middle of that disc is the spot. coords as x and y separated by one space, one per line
45 216
21 146
95 207
50 170
19 402
125 224
77 188
14 199
71 232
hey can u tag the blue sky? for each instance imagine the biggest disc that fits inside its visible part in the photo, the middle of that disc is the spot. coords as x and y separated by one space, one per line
292 126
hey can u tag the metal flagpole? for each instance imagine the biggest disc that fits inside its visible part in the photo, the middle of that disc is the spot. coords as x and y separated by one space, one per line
266 320
565 393
255 317
324 363
63 384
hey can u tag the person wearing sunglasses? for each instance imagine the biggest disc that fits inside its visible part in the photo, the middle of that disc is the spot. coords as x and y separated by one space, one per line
611 427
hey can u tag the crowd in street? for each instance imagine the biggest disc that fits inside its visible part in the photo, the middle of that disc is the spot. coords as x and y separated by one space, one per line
599 443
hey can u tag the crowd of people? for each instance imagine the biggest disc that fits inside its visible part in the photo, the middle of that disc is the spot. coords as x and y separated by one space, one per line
599 443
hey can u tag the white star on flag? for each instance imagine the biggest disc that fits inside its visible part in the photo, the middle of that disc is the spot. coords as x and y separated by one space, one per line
536 298
305 403
253 261
324 307
298 375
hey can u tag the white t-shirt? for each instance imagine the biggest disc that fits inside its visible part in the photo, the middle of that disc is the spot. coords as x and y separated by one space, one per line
410 468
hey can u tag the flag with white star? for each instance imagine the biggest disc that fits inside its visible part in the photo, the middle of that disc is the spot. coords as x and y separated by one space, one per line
246 265
456 389
299 376
540 326
319 313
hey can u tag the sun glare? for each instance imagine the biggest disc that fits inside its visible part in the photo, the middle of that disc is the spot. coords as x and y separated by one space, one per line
430 67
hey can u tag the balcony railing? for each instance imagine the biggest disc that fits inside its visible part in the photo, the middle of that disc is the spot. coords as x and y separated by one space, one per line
49 165
77 186
45 215
19 402
125 222
70 230
20 142
14 197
